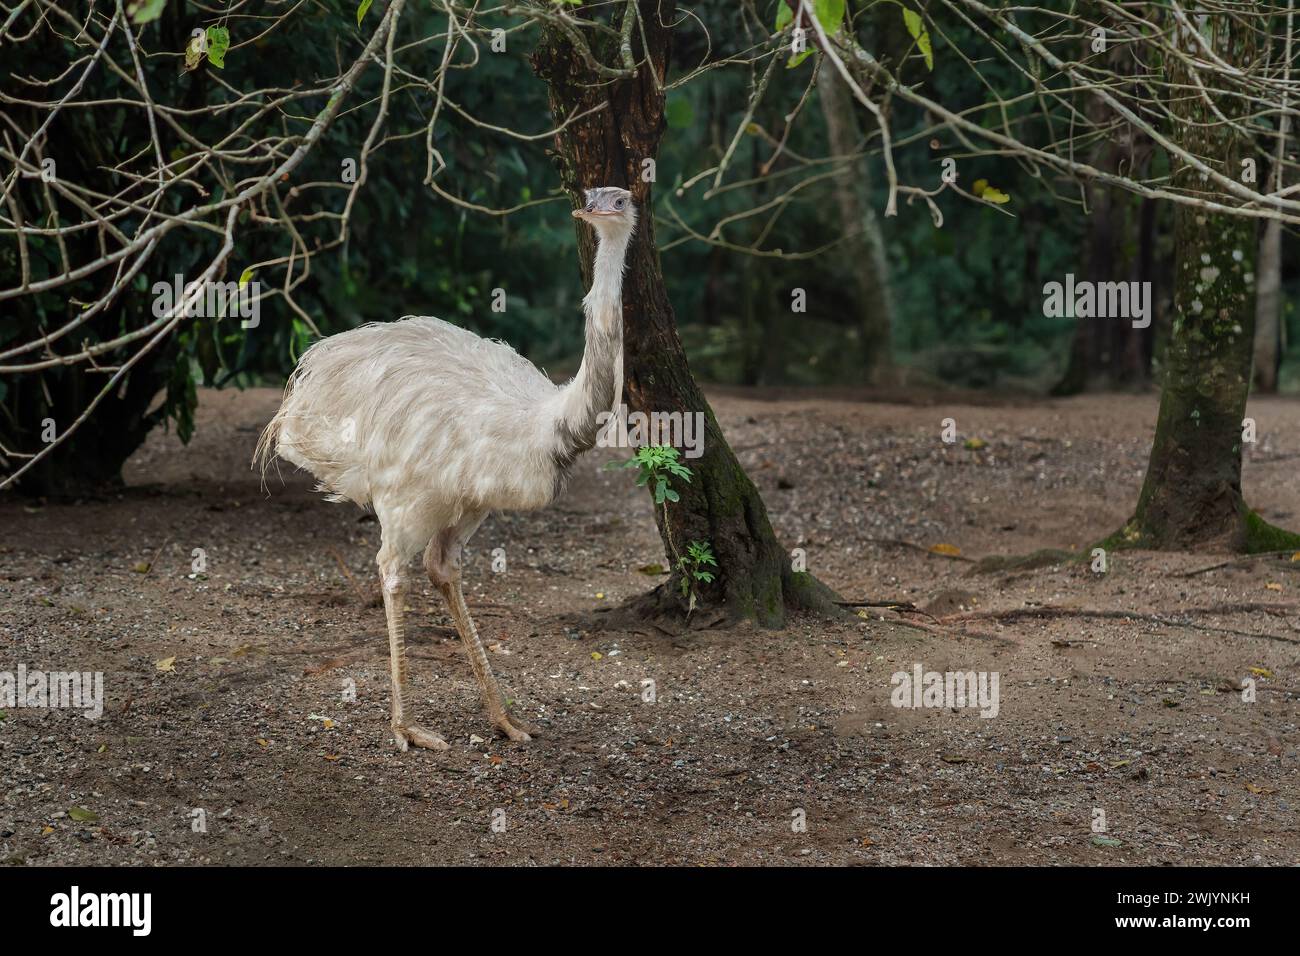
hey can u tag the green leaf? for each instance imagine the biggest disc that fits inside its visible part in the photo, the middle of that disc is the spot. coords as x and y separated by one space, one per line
145 11
798 58
218 43
82 815
783 15
916 27
830 14
246 276
361 10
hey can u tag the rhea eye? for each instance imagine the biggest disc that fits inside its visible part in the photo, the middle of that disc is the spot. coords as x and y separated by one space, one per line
618 203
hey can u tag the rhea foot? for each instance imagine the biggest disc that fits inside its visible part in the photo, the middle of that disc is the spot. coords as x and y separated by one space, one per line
517 731
415 734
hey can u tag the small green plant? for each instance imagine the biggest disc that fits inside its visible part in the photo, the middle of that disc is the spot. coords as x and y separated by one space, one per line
698 554
656 466
657 463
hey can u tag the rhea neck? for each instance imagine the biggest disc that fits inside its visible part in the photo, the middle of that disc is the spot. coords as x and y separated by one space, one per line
598 386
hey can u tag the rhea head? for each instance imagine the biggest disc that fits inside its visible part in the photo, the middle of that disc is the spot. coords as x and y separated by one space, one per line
609 210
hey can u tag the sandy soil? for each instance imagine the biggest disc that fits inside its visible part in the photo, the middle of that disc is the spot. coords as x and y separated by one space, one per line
752 731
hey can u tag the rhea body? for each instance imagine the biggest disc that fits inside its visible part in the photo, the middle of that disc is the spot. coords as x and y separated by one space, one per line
433 427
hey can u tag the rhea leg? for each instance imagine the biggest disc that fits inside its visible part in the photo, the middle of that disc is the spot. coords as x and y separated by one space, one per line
392 574
442 561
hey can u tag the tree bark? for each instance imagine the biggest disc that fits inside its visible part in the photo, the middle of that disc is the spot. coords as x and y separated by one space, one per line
1107 353
864 246
1192 492
719 504
1268 308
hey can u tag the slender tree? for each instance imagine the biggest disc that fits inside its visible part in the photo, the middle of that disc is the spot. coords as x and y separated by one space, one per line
863 253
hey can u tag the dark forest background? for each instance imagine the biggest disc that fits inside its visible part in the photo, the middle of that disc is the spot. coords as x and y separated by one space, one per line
964 302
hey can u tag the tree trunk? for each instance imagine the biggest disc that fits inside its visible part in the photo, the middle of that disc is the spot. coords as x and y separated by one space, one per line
864 246
720 504
1107 352
1268 308
1192 492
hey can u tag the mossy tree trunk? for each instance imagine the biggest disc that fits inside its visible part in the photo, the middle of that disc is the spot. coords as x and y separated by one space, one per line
720 504
1192 493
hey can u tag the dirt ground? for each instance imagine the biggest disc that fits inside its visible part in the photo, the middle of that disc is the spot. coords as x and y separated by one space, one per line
225 689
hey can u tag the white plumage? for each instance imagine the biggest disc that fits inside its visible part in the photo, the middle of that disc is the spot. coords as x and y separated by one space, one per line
434 426
382 409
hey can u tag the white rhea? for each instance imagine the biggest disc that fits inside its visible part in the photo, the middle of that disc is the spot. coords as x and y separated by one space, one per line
433 427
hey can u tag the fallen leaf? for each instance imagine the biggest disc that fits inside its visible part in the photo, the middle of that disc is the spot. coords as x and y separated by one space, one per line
331 757
1169 702
82 815
263 742
47 830
1273 586
1260 671
953 758
1120 763
650 570
141 567
1255 789
975 444
596 655
167 665
1106 841
949 549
